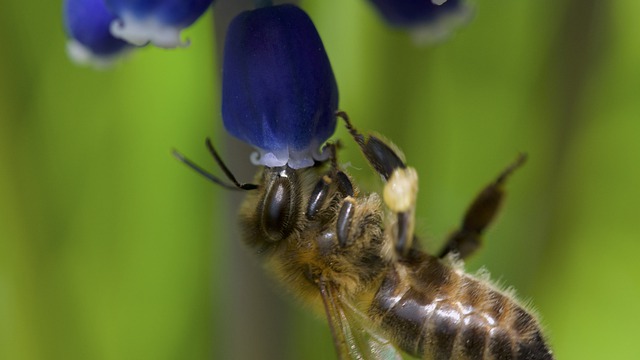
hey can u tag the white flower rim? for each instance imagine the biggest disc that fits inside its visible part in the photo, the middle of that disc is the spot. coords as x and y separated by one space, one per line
294 159
141 31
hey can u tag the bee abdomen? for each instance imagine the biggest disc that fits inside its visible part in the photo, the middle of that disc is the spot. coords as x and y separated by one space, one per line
433 312
449 333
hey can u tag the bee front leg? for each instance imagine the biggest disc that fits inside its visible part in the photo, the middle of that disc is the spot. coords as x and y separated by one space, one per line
347 210
468 238
337 179
401 188
333 178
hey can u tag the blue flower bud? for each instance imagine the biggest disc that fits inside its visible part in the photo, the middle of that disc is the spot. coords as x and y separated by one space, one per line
279 93
155 21
427 20
87 26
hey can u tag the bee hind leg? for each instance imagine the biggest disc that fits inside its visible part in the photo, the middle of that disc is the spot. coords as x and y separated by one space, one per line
401 188
468 238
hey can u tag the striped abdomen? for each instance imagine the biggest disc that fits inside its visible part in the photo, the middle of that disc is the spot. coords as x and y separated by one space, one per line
434 312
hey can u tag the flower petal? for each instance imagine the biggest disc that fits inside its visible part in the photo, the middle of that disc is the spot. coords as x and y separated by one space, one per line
427 20
155 21
87 26
279 93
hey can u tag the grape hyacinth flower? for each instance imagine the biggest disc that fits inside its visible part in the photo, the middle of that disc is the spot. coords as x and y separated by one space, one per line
155 21
279 93
90 42
427 20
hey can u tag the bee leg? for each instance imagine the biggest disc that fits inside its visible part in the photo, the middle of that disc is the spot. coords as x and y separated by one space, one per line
401 188
345 188
347 209
400 194
345 219
318 197
468 238
323 188
381 157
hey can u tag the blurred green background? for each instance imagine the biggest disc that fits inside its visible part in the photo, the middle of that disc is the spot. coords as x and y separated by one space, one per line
111 249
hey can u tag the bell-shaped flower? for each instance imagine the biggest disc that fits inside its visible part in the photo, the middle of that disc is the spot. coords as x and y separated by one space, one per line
427 20
87 25
158 22
279 93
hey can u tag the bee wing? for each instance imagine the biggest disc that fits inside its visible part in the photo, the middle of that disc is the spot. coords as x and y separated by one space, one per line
353 337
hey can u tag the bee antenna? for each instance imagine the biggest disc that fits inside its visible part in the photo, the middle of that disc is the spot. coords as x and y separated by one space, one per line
226 170
236 185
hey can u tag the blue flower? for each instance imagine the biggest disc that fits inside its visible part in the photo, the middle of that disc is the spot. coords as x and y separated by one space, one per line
279 93
427 20
87 26
155 21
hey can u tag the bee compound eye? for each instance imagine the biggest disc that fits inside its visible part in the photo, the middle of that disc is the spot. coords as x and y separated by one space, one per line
277 210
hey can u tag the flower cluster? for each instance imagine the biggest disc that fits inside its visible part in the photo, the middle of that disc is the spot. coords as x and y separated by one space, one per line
100 31
279 93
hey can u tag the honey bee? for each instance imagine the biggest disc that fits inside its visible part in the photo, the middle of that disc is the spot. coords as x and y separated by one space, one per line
355 257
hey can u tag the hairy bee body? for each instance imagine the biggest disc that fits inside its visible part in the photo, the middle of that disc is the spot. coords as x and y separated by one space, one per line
423 305
355 256
435 311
